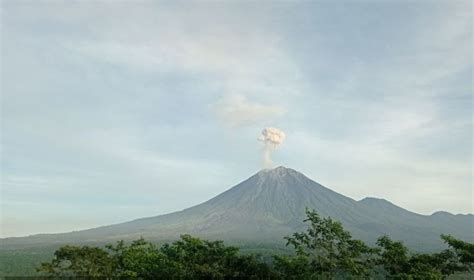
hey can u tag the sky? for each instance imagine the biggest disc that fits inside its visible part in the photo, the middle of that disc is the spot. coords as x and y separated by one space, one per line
117 110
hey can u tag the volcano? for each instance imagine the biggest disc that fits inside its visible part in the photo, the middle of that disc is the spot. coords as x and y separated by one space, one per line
270 205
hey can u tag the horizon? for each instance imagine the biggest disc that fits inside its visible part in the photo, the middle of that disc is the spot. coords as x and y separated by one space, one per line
264 170
112 112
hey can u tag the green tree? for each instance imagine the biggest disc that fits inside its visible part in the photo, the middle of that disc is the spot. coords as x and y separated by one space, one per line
394 257
423 266
82 261
462 250
141 260
294 268
188 258
325 250
201 259
459 257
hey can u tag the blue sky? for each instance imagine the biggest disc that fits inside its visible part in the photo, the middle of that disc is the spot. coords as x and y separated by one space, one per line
114 111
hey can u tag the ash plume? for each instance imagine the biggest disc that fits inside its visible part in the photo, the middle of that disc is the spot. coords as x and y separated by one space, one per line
271 138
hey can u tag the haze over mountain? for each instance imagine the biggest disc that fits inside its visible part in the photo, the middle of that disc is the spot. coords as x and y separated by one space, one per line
270 205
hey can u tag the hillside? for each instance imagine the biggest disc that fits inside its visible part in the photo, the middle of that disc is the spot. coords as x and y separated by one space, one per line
268 206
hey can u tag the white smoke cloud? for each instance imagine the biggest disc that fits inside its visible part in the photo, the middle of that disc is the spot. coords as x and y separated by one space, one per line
271 137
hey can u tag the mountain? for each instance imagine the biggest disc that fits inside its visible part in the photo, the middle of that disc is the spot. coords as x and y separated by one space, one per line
268 206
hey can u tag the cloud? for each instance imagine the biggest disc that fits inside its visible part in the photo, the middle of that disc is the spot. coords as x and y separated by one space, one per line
237 110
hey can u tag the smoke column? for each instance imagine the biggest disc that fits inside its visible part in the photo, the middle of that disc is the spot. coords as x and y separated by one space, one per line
271 138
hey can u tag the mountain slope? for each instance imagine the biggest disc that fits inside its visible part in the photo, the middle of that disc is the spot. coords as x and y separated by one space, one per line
270 205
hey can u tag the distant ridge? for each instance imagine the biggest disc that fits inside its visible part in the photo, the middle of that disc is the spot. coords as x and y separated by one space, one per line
270 205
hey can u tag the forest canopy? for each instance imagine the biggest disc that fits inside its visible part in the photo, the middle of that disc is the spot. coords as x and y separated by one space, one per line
324 251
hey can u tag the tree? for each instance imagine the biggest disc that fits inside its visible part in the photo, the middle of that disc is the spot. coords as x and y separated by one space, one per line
464 251
324 251
201 259
394 257
82 261
188 258
294 268
140 260
458 257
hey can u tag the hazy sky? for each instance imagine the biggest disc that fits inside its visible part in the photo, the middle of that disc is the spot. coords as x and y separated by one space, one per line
114 111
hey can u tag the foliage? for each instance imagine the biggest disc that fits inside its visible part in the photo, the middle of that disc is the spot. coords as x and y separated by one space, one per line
393 256
327 251
188 258
399 264
462 250
82 261
324 251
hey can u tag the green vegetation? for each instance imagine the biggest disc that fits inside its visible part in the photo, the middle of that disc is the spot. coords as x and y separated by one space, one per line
324 251
327 251
188 258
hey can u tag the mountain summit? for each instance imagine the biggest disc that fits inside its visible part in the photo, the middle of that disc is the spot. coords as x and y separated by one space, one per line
270 205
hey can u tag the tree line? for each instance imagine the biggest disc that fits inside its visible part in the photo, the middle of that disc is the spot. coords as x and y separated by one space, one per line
324 251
